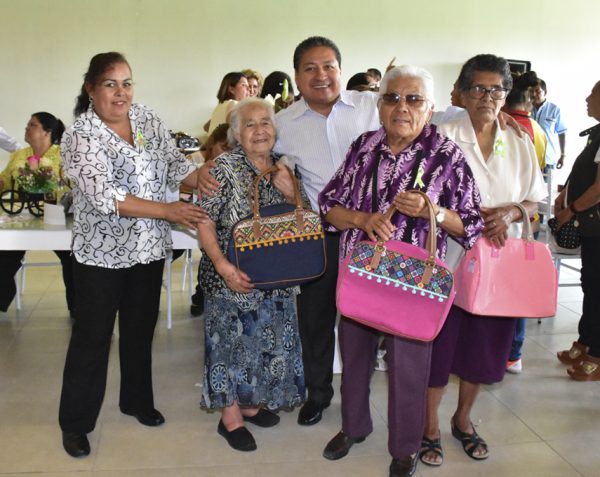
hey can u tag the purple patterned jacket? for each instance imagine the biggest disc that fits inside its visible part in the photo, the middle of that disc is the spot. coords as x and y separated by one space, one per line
446 177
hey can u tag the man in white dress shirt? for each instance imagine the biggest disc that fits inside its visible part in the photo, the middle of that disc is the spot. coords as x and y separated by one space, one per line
317 132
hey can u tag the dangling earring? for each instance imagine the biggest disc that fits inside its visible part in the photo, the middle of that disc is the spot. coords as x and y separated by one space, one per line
91 104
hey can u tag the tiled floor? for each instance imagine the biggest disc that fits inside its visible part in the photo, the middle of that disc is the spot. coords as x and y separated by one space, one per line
539 423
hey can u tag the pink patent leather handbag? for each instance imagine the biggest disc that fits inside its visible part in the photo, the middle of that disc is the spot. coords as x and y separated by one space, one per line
396 287
518 280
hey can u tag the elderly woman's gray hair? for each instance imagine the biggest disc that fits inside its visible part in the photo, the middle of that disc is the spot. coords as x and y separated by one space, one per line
236 114
409 71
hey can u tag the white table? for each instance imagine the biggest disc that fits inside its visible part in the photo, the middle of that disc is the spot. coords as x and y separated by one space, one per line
26 232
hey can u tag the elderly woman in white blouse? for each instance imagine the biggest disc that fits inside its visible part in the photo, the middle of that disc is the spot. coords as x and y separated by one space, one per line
120 158
475 348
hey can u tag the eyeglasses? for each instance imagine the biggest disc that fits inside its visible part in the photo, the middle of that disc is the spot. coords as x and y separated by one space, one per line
413 101
478 92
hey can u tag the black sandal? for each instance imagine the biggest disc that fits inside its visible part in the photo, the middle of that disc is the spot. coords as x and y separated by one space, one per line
470 442
433 446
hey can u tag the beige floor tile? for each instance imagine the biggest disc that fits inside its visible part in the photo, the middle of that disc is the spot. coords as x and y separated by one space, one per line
539 423
32 447
224 470
350 466
582 451
76 473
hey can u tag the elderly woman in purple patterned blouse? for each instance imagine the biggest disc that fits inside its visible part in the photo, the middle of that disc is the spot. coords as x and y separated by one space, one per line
406 153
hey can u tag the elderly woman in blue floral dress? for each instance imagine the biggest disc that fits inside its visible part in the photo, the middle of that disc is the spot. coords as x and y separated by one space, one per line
253 358
406 153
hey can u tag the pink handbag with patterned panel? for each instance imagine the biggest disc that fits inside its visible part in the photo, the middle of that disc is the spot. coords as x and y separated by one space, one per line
397 287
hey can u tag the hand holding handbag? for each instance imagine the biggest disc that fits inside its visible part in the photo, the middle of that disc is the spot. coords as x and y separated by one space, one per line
397 287
518 280
278 246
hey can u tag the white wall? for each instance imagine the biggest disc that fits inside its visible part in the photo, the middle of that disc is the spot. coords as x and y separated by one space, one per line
180 49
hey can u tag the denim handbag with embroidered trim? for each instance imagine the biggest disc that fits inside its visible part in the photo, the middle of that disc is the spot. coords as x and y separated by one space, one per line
278 246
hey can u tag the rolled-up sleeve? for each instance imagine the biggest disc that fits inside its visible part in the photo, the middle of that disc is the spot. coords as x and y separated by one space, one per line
179 167
86 163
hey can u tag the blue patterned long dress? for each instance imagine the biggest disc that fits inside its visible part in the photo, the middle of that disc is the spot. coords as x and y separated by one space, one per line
252 344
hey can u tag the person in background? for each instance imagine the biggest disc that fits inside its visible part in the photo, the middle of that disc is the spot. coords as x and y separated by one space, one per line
215 145
359 82
274 90
43 134
234 88
549 117
455 110
7 142
318 130
390 158
476 348
374 77
255 82
120 158
583 197
518 105
253 357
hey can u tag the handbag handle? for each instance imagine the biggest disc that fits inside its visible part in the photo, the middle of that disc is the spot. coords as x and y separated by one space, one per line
527 233
430 244
256 198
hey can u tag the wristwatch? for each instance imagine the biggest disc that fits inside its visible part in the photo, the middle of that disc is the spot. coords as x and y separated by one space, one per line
440 216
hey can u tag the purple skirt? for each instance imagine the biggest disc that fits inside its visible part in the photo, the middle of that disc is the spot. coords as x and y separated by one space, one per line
474 348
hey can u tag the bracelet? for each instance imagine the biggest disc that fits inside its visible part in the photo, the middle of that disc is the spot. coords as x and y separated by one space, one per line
572 208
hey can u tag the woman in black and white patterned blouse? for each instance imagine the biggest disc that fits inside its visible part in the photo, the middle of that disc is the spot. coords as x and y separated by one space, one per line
121 159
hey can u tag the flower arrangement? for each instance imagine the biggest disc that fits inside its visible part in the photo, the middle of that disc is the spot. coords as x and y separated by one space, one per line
37 180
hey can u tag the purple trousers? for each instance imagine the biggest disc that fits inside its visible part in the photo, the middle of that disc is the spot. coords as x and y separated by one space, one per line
408 373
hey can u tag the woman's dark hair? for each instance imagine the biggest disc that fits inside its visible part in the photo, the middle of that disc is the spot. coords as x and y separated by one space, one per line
358 82
488 63
51 124
542 84
520 89
273 84
313 42
99 64
230 79
375 72
527 80
219 135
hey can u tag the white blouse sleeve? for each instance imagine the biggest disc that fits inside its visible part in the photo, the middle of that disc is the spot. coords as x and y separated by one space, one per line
86 164
179 166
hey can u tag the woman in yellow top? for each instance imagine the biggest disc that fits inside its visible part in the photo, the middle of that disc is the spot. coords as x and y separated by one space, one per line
43 133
